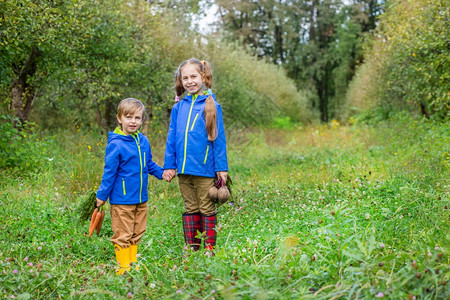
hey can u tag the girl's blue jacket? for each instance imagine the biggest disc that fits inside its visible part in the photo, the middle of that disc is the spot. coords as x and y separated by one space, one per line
128 161
188 149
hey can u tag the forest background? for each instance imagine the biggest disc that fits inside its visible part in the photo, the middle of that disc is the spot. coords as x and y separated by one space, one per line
305 85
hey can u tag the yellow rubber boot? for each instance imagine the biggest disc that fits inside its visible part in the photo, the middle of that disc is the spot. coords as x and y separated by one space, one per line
133 256
123 259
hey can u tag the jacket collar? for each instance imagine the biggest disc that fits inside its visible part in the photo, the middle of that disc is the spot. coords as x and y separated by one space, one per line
198 98
119 131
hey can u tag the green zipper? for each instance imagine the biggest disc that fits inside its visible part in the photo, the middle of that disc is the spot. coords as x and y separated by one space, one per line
195 119
124 191
140 161
206 155
194 97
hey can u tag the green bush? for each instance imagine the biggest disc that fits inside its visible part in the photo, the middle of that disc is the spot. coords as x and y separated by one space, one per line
283 123
407 66
254 92
22 150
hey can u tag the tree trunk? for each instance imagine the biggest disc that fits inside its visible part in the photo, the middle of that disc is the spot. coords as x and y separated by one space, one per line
279 42
424 110
22 91
99 115
105 118
312 20
109 121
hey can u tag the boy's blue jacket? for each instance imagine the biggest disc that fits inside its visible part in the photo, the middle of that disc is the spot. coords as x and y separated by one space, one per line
188 149
128 161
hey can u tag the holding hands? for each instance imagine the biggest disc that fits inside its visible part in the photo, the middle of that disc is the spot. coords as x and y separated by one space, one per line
169 174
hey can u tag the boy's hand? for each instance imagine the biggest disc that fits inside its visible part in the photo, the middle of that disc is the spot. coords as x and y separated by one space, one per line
100 202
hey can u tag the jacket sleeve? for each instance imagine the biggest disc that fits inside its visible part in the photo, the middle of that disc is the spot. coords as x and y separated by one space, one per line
153 168
170 157
220 144
109 172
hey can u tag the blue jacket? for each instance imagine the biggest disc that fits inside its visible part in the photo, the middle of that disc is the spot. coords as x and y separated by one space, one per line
128 161
188 149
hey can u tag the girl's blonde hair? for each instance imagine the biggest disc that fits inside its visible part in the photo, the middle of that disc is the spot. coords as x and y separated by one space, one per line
204 68
130 106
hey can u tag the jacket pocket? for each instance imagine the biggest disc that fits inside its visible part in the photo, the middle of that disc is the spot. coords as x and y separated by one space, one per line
206 155
193 123
123 184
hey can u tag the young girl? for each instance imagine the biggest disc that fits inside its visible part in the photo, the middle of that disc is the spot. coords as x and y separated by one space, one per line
196 150
128 161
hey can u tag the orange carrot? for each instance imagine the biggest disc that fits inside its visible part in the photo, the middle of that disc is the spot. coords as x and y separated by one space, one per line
93 222
98 216
100 223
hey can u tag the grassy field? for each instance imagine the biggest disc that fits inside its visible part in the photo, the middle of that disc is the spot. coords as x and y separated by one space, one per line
319 212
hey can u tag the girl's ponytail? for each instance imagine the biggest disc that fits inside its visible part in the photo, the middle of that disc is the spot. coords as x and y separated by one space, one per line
210 107
211 118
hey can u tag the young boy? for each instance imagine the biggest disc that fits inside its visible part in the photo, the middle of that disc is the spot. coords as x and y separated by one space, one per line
128 161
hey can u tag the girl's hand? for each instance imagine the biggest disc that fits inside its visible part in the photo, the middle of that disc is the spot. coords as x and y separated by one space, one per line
169 174
100 202
223 175
166 176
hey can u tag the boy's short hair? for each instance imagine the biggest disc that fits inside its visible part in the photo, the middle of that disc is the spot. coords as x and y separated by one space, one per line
130 106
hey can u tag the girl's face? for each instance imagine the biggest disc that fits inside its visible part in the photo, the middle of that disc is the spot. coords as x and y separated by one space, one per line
130 123
192 79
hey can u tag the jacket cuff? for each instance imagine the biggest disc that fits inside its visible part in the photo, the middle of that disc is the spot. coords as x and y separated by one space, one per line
159 173
102 196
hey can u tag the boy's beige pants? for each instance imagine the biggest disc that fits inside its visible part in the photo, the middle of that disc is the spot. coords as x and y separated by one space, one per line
128 223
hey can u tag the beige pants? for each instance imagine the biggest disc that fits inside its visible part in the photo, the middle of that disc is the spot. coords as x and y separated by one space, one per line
194 190
128 223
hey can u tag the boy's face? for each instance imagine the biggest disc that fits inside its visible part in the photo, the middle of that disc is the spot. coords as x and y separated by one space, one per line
192 80
130 123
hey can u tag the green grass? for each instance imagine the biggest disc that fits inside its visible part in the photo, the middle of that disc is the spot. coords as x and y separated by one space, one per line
322 212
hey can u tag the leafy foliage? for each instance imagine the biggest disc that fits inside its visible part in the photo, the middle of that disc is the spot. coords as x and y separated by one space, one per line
408 64
37 38
253 92
119 58
22 149
89 55
318 42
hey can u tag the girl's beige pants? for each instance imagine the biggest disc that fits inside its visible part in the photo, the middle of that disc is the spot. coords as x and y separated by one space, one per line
194 190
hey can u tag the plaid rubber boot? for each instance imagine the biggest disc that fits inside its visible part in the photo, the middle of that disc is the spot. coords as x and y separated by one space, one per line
191 224
209 231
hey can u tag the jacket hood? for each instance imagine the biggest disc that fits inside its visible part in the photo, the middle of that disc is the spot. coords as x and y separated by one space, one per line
120 135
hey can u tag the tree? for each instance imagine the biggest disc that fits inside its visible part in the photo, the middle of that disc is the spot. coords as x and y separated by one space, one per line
408 62
308 38
81 56
35 37
366 13
292 33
